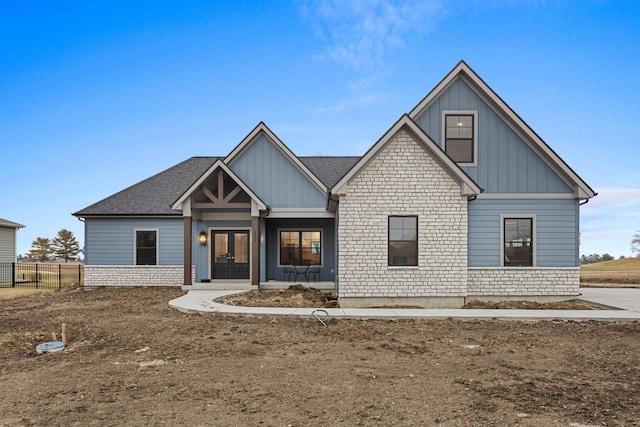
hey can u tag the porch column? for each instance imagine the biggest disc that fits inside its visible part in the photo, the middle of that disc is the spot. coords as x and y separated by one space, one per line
188 238
255 251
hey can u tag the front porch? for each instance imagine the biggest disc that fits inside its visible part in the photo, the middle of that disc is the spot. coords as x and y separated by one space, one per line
245 285
236 241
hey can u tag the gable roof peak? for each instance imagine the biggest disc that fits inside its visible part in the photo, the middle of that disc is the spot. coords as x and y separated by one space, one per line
468 186
503 110
219 164
262 128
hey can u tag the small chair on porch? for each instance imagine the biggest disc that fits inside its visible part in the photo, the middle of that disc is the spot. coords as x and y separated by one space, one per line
290 273
314 271
302 271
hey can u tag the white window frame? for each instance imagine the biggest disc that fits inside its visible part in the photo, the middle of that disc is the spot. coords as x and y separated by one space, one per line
534 234
303 229
135 245
443 134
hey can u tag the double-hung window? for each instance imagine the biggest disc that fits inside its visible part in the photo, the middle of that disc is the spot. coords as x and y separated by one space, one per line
300 247
518 234
403 241
460 136
146 247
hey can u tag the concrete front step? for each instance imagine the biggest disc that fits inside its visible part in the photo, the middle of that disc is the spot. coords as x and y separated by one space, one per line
221 285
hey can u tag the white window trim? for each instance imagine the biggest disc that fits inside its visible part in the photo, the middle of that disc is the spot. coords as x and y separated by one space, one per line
303 229
534 248
135 245
443 133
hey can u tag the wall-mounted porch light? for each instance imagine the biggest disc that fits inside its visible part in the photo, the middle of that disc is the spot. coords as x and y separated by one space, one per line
202 238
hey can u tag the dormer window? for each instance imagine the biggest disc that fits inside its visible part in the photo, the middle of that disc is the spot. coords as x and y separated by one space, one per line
461 136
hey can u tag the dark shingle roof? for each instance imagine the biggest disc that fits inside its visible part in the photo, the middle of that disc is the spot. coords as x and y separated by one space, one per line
155 195
329 170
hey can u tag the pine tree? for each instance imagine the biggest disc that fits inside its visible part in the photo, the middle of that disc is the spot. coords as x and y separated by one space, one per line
635 243
65 246
40 249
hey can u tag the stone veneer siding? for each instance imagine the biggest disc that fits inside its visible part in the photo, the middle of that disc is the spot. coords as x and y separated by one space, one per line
134 275
403 179
524 281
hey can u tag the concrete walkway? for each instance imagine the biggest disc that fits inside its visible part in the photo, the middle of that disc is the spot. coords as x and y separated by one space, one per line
626 300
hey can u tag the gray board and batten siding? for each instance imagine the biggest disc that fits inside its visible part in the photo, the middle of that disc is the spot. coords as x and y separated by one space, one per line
275 179
506 164
556 238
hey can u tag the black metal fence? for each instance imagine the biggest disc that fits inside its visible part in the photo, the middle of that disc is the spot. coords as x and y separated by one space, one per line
40 275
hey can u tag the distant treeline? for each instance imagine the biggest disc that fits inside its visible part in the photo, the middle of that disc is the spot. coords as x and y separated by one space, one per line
593 258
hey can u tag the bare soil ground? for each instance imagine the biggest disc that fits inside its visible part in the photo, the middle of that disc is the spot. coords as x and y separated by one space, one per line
293 296
132 360
302 296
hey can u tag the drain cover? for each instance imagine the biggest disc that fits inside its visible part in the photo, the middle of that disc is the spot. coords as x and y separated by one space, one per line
49 347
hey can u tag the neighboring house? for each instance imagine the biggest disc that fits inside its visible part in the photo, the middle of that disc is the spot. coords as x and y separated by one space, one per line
458 199
8 232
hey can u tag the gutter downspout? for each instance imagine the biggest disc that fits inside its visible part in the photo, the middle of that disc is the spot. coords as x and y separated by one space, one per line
337 219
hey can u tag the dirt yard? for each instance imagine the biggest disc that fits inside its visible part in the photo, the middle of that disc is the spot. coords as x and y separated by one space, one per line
132 360
302 296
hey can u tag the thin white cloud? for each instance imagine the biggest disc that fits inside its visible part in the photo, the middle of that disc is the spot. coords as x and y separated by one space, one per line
612 198
357 101
359 33
609 221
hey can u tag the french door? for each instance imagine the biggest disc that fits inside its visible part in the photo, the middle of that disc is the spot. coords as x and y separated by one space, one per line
230 254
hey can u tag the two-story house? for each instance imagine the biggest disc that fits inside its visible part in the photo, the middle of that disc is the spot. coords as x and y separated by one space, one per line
459 199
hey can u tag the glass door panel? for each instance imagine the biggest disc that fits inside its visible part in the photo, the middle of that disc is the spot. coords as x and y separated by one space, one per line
221 255
230 254
240 258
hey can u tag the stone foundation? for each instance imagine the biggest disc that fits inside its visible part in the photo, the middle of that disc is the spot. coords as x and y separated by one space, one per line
418 302
134 275
523 282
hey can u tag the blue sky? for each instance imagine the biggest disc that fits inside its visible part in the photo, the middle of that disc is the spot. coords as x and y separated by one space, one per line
96 96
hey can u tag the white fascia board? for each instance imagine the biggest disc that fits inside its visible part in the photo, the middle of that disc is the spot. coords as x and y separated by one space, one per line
464 71
524 196
262 128
300 213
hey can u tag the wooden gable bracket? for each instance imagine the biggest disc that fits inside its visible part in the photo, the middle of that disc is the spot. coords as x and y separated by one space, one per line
220 201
